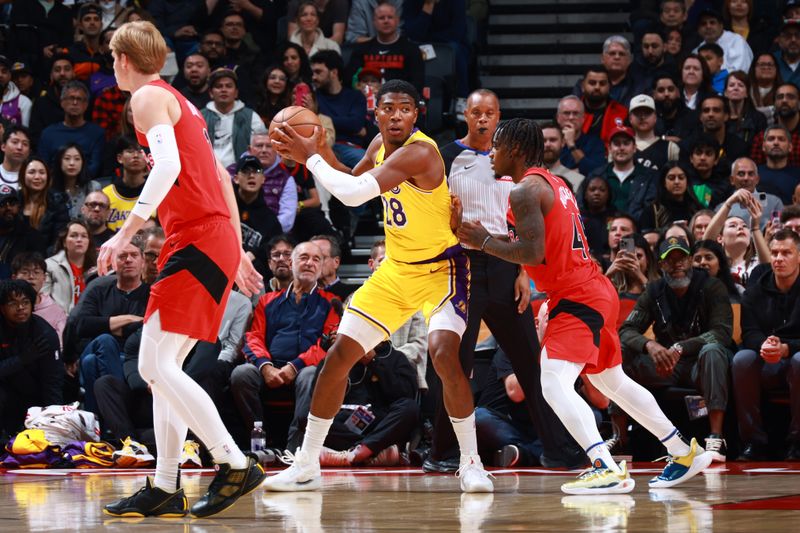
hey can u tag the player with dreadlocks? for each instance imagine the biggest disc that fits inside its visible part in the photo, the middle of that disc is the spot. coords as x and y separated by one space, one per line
581 337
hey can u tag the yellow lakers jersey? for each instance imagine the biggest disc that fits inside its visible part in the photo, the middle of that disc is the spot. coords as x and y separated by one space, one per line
120 207
416 221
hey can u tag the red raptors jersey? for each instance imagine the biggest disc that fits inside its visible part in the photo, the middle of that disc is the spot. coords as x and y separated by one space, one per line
197 193
566 255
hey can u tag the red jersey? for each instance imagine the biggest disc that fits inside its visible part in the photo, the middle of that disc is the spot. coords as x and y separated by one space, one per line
197 193
566 261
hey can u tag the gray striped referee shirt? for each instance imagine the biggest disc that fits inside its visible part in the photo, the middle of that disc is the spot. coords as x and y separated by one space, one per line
471 178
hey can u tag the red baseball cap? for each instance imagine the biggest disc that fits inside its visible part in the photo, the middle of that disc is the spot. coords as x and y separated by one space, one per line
622 130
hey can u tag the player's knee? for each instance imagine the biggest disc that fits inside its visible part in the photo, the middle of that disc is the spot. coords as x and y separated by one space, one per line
550 386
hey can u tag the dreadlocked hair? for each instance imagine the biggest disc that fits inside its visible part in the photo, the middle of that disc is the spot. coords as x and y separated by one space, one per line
523 136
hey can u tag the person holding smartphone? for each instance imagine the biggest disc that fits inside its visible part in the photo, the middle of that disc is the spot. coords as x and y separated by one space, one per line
744 176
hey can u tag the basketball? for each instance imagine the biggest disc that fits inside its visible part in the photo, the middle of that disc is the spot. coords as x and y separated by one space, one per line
303 120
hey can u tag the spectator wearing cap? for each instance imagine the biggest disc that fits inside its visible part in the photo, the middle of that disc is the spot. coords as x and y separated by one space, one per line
75 128
390 54
231 124
16 150
15 232
770 355
40 30
259 222
581 152
15 106
633 187
602 114
125 189
776 174
86 51
652 151
738 55
617 59
692 321
787 111
47 107
22 76
744 176
788 54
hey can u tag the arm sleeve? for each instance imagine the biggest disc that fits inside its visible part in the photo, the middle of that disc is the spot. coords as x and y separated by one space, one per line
351 190
287 205
166 167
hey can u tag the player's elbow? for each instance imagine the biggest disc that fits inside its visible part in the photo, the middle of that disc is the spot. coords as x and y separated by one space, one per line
170 167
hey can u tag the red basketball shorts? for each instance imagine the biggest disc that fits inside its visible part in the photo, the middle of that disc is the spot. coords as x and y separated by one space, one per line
581 327
196 270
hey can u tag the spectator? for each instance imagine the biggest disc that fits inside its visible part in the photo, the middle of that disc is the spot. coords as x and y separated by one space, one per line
86 51
31 373
308 33
764 82
779 174
633 186
95 211
709 181
651 151
110 310
108 109
47 107
596 211
672 14
22 75
744 175
240 49
582 152
787 110
196 70
54 29
771 348
796 195
553 147
31 267
74 128
212 46
126 188
619 225
741 17
442 21
280 263
790 218
602 114
104 78
44 209
280 189
744 121
699 222
630 272
388 53
673 43
71 178
68 269
153 243
412 337
16 233
16 150
652 60
675 120
15 107
331 259
332 15
788 54
692 322
714 115
283 344
346 107
714 57
674 200
259 223
616 59
361 26
384 383
230 123
260 18
738 55
295 62
695 80
710 256
179 21
273 93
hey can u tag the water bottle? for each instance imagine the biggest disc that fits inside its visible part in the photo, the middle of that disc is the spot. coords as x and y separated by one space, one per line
258 439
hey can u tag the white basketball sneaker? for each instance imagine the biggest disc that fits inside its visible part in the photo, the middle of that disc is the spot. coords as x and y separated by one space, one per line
303 474
473 476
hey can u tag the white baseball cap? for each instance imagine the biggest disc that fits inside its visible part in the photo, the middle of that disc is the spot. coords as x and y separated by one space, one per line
642 100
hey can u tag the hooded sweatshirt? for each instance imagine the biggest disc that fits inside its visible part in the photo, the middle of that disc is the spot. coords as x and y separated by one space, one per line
16 107
230 132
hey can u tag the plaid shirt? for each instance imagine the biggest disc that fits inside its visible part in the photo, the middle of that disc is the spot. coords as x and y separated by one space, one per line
107 110
757 149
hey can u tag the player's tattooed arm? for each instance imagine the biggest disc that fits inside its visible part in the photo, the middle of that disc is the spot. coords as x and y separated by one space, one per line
528 249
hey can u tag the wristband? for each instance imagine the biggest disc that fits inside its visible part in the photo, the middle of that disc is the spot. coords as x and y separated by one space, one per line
483 245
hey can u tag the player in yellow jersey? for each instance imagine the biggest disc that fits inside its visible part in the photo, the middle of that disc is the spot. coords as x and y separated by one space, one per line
425 269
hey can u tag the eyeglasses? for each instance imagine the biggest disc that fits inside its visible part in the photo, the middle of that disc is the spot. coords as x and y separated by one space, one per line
278 255
34 273
96 205
18 304
151 256
8 202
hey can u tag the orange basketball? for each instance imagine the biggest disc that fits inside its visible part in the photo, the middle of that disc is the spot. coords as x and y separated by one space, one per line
303 120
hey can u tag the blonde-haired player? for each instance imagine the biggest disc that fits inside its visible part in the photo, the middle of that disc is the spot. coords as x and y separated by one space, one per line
202 256
425 269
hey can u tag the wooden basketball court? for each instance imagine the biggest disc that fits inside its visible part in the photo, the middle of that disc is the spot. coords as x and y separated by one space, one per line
739 497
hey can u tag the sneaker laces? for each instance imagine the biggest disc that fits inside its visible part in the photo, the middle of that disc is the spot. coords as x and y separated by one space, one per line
714 444
464 467
611 442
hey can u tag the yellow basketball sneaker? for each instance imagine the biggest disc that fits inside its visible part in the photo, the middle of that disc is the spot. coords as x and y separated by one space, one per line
683 468
601 479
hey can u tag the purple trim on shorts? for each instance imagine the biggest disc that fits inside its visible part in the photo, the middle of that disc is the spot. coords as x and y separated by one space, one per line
449 253
460 274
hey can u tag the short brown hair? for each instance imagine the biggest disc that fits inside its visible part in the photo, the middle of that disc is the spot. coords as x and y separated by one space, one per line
143 44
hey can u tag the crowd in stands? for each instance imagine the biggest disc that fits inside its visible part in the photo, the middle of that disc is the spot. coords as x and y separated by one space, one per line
682 145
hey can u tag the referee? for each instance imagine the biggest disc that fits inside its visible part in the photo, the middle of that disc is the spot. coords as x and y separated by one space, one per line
499 290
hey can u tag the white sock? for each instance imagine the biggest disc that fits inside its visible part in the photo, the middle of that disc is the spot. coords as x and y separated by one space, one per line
600 451
316 433
675 444
226 451
166 477
464 429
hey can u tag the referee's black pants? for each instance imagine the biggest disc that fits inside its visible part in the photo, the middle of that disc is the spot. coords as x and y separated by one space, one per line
491 298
